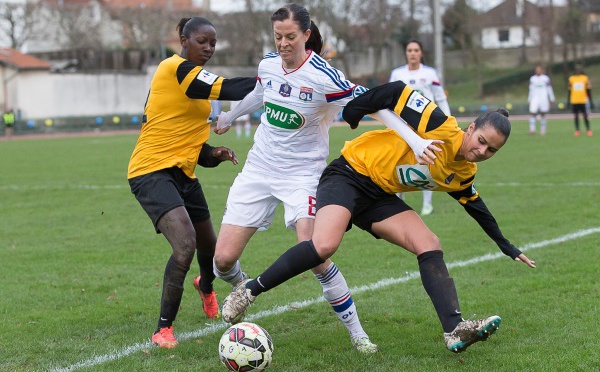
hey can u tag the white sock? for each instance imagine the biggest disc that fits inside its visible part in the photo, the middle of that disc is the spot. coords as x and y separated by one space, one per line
233 276
238 130
248 128
532 124
336 292
427 197
543 122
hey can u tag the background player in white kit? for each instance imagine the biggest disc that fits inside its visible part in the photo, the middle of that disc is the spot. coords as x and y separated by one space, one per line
541 96
425 80
302 95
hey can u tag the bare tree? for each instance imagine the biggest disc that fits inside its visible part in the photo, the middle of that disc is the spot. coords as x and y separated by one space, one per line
572 29
461 26
17 22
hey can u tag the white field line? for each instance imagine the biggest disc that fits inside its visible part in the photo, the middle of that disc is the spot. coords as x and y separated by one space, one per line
216 327
125 185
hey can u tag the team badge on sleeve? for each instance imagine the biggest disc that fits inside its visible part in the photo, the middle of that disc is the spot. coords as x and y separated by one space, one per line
207 77
417 102
306 94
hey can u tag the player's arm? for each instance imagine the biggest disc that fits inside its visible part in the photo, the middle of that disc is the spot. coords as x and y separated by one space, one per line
211 157
251 102
472 203
199 83
382 97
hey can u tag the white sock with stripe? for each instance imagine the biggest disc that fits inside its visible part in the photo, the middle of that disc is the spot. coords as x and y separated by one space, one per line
336 292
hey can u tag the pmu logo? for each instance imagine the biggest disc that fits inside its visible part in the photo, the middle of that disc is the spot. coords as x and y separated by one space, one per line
417 176
283 117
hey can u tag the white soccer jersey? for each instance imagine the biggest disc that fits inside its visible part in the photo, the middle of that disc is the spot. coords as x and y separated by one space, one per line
540 94
299 107
424 80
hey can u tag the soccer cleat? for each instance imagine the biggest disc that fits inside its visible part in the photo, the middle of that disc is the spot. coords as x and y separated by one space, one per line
468 332
577 133
236 303
210 305
589 133
245 278
532 132
364 345
426 210
164 337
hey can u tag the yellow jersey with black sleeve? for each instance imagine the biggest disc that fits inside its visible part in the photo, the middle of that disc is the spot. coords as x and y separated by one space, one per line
387 159
176 112
579 85
384 156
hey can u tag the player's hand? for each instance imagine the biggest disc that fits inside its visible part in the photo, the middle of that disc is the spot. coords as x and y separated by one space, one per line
427 154
525 260
225 153
223 123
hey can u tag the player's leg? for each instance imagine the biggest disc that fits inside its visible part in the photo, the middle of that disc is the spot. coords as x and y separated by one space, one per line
407 230
337 294
532 120
427 208
247 128
179 231
205 249
238 128
575 108
586 121
296 260
543 123
250 206
231 243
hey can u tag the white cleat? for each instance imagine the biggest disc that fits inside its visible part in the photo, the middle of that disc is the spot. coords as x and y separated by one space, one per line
426 210
364 345
236 303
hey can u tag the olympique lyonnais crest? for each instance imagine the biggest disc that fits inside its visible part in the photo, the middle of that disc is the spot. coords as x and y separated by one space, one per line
306 94
285 90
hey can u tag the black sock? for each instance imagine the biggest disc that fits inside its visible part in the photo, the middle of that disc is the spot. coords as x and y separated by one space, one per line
296 260
172 291
440 288
206 272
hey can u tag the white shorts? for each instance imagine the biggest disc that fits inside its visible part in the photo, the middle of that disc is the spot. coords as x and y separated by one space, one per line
253 198
537 106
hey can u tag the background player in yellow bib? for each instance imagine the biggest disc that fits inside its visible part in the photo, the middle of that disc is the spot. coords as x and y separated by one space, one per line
161 169
580 95
359 188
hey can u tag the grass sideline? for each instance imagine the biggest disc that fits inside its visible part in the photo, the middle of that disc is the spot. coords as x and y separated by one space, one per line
81 267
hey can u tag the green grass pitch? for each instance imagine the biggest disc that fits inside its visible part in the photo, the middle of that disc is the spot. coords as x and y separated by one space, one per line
81 267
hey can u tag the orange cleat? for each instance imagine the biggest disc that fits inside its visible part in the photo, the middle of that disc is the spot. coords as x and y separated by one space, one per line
589 133
164 337
210 305
577 133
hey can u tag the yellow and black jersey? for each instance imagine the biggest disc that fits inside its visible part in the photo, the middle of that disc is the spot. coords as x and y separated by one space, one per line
177 112
387 159
579 87
384 156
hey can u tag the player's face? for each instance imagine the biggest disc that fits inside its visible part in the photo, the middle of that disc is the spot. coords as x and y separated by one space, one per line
200 46
481 144
414 54
538 70
290 42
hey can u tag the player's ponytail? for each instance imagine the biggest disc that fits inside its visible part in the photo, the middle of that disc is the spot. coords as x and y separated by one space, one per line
315 40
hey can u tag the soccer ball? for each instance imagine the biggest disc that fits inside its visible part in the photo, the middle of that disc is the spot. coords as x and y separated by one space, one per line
245 347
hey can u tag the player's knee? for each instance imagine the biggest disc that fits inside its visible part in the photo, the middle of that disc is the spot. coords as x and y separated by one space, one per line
223 262
325 247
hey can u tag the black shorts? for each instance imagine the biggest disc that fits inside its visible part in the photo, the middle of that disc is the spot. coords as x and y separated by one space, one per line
579 107
164 190
341 185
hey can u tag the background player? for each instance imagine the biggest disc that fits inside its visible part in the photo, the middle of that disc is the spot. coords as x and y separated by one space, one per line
242 123
541 96
426 81
580 95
